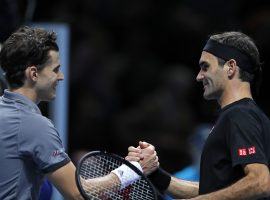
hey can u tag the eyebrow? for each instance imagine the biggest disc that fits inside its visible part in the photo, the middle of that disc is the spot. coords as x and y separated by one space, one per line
203 64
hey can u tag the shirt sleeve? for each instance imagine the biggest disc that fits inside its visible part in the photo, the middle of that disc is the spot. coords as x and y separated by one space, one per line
245 138
40 141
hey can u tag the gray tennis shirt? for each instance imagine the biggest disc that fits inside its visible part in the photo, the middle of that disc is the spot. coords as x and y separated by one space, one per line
30 147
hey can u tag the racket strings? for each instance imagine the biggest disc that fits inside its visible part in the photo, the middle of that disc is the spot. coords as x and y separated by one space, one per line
95 168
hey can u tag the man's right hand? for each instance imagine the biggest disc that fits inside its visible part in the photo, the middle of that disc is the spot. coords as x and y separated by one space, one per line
146 155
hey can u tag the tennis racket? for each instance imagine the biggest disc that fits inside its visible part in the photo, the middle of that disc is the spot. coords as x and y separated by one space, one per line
94 179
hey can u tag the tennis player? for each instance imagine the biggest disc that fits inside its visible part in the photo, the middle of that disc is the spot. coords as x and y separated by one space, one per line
236 156
30 147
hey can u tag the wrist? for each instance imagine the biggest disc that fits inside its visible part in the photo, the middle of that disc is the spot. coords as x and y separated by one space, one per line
126 175
160 179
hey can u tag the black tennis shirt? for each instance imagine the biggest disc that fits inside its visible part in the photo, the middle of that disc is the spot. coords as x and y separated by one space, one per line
241 136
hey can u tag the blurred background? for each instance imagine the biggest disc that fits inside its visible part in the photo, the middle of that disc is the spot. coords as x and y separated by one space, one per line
133 66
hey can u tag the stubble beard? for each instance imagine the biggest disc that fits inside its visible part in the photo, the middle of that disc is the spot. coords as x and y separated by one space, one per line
49 94
210 92
213 94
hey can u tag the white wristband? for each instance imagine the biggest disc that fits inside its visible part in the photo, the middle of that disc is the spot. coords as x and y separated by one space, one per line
126 175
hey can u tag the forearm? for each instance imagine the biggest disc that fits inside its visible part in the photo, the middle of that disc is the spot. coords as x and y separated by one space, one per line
177 188
118 179
100 184
248 188
183 189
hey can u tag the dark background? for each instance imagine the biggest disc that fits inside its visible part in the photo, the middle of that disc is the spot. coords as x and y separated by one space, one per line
134 63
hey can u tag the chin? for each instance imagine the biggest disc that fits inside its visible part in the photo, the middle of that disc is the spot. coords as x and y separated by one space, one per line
50 98
213 95
208 96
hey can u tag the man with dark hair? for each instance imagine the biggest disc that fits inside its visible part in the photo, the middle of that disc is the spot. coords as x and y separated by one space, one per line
27 47
2 82
236 156
2 79
29 143
30 146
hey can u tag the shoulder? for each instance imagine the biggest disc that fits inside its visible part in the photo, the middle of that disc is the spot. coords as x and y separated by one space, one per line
246 117
34 120
33 125
245 120
242 112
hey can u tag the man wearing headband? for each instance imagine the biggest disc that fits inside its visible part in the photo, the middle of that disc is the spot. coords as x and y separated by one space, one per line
236 155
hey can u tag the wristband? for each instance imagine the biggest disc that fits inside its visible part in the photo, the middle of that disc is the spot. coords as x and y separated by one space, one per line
161 179
126 175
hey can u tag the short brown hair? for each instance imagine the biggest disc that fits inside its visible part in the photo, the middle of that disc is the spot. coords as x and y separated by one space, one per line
26 46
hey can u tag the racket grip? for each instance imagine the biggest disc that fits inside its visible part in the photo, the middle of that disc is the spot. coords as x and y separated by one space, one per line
126 175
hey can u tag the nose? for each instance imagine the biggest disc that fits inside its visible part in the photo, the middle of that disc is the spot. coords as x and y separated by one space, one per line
200 76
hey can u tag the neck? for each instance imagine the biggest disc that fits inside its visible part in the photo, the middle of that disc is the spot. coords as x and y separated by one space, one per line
235 93
29 93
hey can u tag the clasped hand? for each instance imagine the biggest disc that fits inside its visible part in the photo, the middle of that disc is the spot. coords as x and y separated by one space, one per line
146 155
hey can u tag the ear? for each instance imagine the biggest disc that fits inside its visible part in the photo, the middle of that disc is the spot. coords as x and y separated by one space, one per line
232 68
32 73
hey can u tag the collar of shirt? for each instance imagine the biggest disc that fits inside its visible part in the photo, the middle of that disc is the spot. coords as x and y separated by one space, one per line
13 96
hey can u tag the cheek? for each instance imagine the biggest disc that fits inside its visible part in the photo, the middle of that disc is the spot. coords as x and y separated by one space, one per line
52 79
218 81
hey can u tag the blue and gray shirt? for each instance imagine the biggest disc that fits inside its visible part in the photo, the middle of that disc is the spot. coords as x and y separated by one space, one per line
30 147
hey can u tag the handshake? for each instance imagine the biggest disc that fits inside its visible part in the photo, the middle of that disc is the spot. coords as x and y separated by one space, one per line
145 155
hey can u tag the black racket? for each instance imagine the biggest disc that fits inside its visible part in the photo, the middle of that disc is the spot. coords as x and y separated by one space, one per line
94 182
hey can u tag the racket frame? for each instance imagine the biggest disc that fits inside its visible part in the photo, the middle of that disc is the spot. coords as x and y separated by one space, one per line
117 157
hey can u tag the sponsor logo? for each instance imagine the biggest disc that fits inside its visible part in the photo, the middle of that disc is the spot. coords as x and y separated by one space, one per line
242 152
247 151
251 150
56 153
121 173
